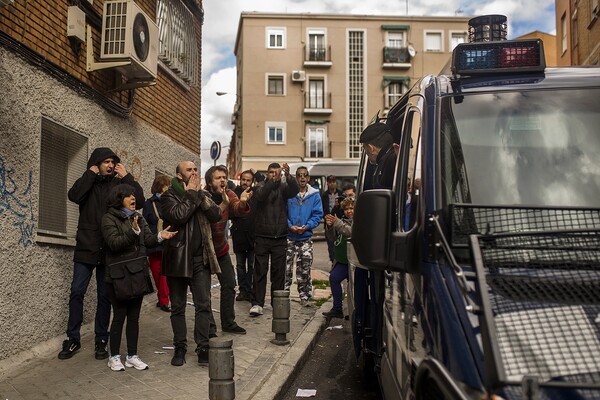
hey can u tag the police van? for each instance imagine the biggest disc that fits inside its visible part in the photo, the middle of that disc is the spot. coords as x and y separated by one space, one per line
477 276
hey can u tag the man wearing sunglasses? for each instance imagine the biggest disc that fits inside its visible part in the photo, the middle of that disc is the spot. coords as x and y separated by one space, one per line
304 214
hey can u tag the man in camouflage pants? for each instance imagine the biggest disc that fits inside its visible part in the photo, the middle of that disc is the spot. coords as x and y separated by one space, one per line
305 211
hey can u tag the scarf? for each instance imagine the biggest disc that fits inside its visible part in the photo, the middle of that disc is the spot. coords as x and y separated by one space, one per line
177 186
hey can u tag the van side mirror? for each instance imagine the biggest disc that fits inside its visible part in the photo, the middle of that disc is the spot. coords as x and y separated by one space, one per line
372 226
377 243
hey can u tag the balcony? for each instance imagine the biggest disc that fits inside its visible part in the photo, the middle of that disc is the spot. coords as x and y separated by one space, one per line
317 103
317 57
396 57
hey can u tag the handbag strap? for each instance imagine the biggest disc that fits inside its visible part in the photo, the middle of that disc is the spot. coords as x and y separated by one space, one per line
159 226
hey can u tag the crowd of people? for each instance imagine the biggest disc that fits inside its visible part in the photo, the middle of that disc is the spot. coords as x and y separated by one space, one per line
181 239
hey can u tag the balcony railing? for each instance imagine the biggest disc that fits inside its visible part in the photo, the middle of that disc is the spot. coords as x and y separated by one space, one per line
396 55
320 56
317 103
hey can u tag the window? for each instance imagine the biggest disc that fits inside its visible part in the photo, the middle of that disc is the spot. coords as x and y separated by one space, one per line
563 27
395 40
457 38
356 90
433 41
275 38
316 139
64 150
177 42
275 85
316 45
394 90
574 30
316 93
275 132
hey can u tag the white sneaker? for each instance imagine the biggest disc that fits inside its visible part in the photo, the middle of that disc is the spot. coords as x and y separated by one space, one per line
135 362
114 363
256 310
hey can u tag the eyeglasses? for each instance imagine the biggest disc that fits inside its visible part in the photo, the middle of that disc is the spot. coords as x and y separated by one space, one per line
302 175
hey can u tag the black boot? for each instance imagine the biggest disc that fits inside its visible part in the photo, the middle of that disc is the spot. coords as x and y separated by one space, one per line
203 356
179 357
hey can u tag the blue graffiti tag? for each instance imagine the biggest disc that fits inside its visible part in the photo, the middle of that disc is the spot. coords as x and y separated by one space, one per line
17 204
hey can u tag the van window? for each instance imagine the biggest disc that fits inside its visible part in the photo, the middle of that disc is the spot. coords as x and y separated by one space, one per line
534 147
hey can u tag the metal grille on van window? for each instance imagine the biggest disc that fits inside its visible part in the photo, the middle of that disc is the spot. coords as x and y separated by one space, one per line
114 31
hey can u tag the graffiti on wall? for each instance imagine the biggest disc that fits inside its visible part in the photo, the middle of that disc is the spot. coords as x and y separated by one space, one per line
132 163
15 200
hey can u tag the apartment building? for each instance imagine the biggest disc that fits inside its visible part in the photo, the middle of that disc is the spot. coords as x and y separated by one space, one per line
308 84
578 32
70 81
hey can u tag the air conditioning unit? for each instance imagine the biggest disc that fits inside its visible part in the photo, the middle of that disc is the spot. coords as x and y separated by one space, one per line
129 34
298 76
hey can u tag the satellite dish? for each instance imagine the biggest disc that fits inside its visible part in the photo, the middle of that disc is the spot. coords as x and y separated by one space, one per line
141 37
411 51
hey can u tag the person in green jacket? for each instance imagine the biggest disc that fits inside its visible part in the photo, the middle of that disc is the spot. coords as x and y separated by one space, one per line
339 230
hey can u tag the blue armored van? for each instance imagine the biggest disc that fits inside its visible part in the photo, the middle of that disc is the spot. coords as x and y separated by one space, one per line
477 275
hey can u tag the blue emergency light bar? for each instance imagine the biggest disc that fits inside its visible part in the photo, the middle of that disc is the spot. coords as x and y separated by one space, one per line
499 57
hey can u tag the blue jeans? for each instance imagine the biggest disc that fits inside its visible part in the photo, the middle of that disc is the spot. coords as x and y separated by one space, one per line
337 275
82 273
244 274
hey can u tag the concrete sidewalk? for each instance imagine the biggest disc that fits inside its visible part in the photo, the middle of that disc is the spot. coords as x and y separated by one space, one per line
261 368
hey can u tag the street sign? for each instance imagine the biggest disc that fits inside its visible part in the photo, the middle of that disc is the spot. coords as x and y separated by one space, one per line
215 150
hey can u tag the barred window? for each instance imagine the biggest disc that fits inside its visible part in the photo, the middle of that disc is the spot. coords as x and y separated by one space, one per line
63 159
178 46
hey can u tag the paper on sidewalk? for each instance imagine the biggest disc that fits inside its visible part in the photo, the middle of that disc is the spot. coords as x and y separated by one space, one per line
306 393
330 328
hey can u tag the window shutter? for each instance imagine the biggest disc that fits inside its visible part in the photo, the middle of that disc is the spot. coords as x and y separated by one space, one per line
63 159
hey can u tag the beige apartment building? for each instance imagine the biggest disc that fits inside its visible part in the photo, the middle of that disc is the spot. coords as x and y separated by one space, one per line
578 32
308 84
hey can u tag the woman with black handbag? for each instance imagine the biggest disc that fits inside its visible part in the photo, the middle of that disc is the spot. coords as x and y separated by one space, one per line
125 234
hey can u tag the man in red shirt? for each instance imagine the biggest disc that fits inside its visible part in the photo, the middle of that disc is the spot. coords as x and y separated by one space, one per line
231 205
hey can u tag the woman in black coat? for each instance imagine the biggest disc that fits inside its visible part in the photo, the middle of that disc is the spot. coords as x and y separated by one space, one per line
126 233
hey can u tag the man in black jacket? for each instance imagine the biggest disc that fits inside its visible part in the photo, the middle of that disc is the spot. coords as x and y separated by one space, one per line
188 257
90 192
271 230
378 143
242 235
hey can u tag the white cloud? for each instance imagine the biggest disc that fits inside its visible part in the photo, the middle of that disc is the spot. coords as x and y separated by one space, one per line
221 21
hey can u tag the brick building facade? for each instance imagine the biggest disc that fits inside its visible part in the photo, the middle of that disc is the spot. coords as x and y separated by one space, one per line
53 113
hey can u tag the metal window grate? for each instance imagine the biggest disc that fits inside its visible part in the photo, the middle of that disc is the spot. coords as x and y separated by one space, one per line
178 47
541 304
468 219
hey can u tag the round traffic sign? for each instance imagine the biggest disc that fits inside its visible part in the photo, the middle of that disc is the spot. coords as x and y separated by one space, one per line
215 150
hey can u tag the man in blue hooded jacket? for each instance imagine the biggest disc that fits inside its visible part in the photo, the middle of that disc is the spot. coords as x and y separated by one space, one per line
305 211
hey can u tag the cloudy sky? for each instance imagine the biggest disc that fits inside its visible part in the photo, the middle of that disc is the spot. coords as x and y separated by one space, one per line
221 18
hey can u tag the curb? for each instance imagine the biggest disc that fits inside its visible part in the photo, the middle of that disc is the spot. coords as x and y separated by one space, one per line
284 370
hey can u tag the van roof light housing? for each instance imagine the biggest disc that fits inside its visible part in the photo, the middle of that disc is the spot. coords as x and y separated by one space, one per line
487 28
501 57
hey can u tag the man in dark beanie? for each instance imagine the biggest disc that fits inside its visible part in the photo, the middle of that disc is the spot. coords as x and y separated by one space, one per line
90 192
378 143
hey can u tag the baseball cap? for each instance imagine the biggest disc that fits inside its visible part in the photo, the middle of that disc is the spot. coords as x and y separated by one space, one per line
331 178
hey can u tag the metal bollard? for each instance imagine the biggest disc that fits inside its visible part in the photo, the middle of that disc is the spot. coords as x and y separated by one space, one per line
281 317
220 369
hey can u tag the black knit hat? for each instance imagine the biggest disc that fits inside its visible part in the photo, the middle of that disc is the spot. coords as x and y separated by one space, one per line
373 131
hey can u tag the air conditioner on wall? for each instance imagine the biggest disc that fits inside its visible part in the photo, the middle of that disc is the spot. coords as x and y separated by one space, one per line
129 34
298 76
